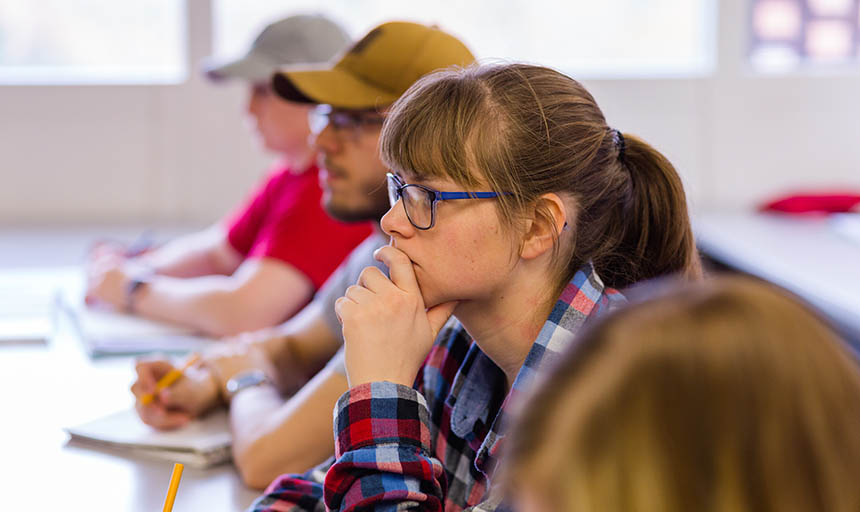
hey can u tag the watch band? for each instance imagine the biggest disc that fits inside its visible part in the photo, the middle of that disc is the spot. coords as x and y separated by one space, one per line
133 287
245 380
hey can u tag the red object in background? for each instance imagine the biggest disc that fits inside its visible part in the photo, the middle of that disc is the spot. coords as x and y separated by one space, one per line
813 203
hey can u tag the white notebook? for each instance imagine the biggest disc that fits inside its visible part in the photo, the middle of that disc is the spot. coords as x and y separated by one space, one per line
106 333
202 443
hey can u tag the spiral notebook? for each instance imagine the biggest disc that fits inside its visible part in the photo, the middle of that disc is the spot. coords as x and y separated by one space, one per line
202 443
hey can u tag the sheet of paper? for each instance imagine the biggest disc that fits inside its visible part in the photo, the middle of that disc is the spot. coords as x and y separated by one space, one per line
202 443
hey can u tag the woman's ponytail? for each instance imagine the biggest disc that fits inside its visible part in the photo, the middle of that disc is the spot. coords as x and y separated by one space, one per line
653 233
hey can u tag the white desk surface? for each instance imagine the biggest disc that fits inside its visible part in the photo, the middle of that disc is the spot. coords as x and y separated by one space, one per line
45 387
803 255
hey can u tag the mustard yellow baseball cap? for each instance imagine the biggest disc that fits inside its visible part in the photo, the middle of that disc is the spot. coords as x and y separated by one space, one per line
376 70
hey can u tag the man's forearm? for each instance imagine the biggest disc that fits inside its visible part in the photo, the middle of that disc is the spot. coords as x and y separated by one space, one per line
198 254
272 436
302 344
291 374
208 303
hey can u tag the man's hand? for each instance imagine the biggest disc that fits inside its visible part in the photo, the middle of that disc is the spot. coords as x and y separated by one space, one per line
107 280
189 397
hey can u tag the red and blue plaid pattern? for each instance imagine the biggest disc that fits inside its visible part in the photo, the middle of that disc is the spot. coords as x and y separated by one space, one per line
434 446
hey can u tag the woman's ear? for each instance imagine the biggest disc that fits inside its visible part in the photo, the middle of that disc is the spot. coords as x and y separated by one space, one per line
544 228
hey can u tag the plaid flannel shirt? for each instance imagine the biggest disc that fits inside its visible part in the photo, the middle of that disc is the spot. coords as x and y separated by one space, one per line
433 446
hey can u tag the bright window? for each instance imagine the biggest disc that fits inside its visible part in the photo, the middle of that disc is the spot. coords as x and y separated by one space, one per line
804 34
92 41
586 38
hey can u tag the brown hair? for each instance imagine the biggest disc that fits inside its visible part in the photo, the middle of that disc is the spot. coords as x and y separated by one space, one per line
723 396
528 130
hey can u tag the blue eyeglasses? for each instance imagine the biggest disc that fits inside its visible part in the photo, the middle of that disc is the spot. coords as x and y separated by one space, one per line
420 201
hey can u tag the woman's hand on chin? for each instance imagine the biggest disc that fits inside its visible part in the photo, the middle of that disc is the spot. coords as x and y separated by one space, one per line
387 330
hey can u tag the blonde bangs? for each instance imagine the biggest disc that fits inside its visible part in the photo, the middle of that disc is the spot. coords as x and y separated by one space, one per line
434 129
448 126
426 132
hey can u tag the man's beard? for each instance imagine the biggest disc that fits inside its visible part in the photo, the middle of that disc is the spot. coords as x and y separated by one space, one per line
376 206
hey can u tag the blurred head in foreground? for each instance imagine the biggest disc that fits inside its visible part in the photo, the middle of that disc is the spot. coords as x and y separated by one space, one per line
720 396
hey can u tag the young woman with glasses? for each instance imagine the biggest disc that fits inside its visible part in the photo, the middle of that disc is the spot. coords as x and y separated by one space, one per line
517 213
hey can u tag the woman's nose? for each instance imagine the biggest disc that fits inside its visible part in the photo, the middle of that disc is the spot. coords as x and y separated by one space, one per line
395 221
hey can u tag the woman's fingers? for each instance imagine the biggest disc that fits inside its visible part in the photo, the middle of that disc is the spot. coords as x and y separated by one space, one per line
341 307
399 268
373 279
357 293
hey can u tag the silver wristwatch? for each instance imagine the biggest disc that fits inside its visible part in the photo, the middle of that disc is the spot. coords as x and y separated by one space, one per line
245 380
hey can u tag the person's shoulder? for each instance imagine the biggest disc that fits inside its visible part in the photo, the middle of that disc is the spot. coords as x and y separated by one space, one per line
279 172
282 174
289 193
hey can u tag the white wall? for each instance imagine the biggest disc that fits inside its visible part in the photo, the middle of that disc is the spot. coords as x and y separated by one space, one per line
127 153
181 153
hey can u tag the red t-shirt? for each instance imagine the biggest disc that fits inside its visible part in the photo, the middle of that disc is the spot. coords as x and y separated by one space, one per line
283 219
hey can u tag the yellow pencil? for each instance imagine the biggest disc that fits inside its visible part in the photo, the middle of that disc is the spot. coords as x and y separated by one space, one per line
168 379
174 485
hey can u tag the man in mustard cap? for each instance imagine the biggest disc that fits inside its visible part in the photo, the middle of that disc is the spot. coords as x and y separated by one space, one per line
272 435
352 96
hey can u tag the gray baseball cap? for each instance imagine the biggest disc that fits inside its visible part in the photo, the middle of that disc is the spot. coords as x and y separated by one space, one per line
302 39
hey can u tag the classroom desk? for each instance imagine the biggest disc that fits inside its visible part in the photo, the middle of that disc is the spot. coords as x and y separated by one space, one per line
45 387
803 255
